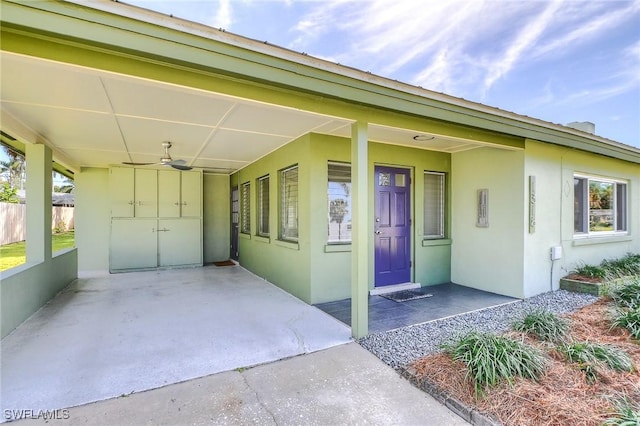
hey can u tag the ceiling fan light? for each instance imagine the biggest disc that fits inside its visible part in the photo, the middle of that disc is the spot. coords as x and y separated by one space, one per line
423 138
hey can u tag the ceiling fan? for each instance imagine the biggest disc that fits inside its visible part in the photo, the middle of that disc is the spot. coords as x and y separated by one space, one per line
166 160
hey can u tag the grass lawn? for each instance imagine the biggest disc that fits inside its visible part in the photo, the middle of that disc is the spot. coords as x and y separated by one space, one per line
14 254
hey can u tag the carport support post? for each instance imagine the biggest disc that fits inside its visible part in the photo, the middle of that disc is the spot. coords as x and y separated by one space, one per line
39 207
359 230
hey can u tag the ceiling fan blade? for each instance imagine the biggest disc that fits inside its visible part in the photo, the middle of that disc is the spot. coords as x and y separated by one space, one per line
137 164
180 167
176 162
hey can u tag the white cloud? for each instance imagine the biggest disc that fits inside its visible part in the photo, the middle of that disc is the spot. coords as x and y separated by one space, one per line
223 17
316 23
587 25
525 39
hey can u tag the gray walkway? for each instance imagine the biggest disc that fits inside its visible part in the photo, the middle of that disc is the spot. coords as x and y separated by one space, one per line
343 385
108 336
446 300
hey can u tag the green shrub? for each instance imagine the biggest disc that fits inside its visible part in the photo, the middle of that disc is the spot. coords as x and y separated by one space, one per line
629 319
490 359
544 325
609 269
589 356
590 271
627 413
624 266
628 295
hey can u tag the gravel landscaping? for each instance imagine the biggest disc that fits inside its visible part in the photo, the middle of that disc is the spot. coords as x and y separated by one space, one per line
404 345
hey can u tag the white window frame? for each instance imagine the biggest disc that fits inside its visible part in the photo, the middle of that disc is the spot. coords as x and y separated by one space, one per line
345 225
288 211
245 208
618 229
442 207
262 184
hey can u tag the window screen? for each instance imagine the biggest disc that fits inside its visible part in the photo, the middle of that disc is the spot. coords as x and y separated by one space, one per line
434 205
263 206
245 208
289 204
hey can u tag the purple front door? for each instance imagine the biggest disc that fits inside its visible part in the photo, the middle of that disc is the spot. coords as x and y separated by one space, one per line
392 226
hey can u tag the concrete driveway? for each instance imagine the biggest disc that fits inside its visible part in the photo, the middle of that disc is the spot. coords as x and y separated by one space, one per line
112 335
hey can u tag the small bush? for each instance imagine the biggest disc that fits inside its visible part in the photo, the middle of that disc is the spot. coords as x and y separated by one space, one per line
589 356
490 359
590 271
627 413
624 266
629 319
544 325
628 296
609 269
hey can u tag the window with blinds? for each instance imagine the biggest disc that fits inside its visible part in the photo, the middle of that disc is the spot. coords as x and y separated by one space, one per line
339 200
245 208
434 205
289 204
263 206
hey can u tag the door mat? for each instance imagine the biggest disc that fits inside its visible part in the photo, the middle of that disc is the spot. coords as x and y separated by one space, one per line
225 263
406 295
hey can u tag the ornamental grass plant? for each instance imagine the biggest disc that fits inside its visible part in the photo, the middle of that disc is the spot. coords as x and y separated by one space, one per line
544 325
492 359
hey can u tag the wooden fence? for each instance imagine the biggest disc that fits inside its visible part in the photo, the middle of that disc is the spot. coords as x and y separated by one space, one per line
13 220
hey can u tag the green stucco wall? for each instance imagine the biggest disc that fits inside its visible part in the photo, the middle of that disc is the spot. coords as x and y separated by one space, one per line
313 270
490 258
553 168
283 263
27 287
92 219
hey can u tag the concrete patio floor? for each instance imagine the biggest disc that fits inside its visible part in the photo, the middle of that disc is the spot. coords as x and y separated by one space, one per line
112 335
446 300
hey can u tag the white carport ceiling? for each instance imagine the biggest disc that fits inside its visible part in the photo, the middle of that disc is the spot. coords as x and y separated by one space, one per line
96 119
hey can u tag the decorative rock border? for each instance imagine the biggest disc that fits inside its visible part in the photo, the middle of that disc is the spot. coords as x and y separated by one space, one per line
469 414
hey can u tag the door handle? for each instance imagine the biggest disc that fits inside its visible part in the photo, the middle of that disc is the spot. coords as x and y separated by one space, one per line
378 232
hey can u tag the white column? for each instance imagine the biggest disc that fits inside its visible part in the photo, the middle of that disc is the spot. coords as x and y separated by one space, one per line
38 194
360 231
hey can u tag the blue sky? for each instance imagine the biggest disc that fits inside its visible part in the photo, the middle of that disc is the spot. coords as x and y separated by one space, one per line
560 61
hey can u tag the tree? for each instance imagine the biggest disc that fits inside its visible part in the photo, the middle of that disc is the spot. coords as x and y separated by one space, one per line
12 169
8 194
338 209
67 184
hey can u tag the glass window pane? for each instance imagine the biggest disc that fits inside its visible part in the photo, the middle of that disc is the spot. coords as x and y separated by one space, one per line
384 179
400 179
339 199
601 213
